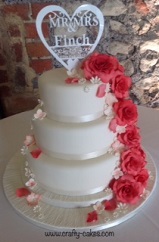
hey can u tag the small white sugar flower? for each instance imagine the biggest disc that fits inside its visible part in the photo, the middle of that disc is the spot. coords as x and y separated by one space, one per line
72 73
33 199
110 99
37 209
108 111
108 191
117 146
95 80
39 114
107 88
29 140
86 89
40 102
120 129
117 173
24 150
98 207
27 171
82 81
31 183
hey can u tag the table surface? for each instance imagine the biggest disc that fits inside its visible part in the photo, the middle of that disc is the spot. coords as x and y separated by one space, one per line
142 227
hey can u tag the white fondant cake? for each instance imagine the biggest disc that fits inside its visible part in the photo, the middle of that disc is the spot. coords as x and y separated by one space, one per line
85 139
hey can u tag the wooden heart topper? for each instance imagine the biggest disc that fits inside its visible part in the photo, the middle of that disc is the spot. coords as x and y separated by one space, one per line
69 50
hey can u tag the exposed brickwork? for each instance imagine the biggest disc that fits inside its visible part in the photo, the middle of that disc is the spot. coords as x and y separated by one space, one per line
37 7
37 50
41 65
21 102
21 10
31 33
14 31
19 79
18 51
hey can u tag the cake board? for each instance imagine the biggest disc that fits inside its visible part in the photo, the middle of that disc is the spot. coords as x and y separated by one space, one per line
51 217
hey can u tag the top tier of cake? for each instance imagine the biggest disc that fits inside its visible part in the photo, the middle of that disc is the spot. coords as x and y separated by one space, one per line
69 103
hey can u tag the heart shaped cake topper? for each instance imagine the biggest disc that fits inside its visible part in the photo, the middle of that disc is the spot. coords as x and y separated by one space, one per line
66 49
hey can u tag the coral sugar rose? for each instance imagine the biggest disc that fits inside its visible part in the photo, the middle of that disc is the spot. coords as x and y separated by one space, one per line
142 177
127 189
103 66
131 137
120 86
132 163
126 112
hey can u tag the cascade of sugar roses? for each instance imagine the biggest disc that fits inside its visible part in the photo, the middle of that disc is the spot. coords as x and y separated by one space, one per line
130 175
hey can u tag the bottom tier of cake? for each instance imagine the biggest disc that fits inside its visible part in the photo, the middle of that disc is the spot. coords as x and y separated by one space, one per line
51 211
73 177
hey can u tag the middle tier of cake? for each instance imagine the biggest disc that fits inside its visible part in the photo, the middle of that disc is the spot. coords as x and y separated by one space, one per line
73 141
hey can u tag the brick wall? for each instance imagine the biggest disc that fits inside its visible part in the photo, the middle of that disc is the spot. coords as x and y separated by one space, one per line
22 57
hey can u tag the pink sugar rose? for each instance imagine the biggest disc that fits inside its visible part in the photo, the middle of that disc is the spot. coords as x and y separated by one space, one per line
127 189
103 66
131 162
138 151
126 112
131 137
142 177
120 86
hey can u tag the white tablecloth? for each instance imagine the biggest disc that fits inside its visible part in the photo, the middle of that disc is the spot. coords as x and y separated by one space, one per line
142 227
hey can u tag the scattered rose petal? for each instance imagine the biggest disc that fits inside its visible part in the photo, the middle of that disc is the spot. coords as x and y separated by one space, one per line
36 153
101 91
22 192
110 204
92 217
113 125
71 80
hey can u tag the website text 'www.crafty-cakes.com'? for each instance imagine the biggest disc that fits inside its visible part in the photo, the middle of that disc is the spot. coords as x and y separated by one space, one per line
78 235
